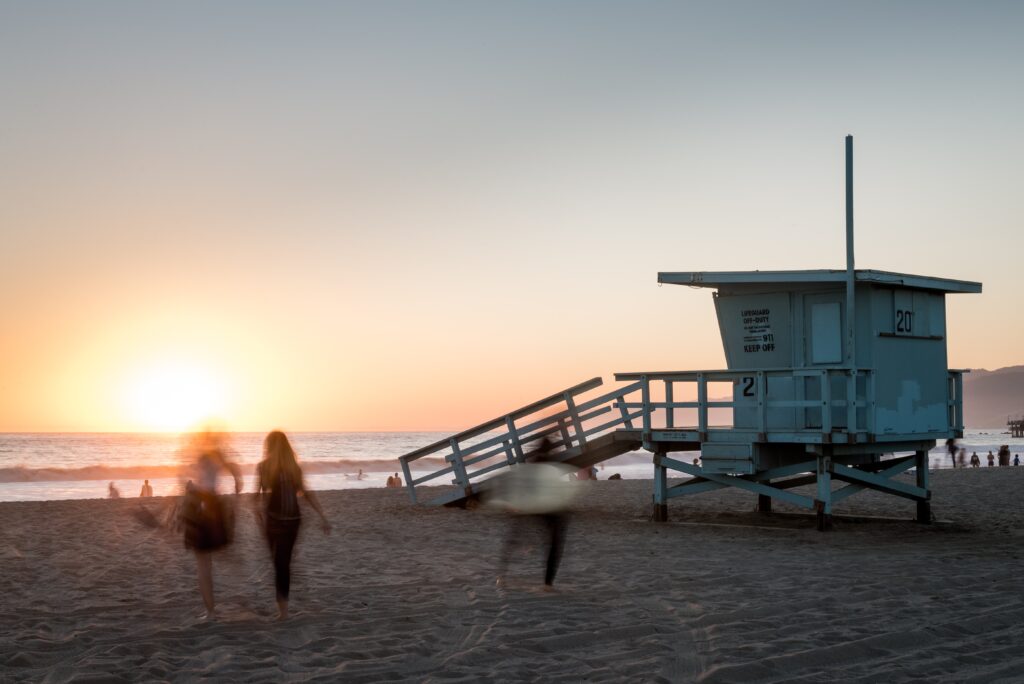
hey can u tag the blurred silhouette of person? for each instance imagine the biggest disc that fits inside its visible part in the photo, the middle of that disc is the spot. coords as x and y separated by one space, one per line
952 449
391 482
397 480
208 519
113 492
991 459
962 457
537 494
975 461
1004 455
147 490
1016 459
279 486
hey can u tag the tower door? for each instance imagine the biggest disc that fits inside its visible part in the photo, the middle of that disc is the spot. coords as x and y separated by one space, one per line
823 346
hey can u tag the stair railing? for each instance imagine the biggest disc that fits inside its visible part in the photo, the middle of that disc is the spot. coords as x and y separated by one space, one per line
505 441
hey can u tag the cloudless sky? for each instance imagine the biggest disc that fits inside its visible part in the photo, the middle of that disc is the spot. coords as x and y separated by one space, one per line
420 215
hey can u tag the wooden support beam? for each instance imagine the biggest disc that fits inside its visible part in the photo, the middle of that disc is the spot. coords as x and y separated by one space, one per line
924 508
660 492
408 479
738 482
879 482
823 504
895 467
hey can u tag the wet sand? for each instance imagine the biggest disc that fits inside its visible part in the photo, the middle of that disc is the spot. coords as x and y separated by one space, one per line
400 593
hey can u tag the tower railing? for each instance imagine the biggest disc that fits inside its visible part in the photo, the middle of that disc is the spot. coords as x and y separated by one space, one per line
825 401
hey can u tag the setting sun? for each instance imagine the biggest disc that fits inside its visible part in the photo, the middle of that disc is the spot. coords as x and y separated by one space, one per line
174 396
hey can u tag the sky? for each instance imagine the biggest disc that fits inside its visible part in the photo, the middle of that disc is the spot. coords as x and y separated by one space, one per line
418 216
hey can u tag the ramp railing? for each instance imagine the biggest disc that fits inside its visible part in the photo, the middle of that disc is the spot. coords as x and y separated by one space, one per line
565 418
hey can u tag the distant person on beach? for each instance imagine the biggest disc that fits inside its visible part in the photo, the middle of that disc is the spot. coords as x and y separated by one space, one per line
208 519
147 490
1016 459
279 486
586 473
113 492
962 457
991 459
537 494
975 461
1004 455
391 482
396 480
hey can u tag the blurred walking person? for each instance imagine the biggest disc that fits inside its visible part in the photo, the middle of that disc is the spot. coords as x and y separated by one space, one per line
208 518
952 448
537 493
279 486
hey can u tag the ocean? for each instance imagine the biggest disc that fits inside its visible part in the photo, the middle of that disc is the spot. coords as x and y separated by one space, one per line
48 466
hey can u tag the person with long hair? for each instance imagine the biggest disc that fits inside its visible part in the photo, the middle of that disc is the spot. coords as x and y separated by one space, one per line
279 486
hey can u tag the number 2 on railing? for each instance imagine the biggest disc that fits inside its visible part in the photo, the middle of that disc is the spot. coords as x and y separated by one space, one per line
748 385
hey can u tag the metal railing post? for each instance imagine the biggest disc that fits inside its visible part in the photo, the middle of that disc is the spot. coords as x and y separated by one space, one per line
645 392
513 435
576 424
958 383
669 410
851 405
457 465
702 406
762 402
826 403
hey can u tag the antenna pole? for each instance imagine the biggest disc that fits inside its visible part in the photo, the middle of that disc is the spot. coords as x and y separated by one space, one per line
851 357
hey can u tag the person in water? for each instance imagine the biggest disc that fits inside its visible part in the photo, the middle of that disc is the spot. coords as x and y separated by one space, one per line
113 492
279 486
208 519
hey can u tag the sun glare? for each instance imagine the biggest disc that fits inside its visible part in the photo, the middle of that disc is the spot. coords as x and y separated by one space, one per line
174 397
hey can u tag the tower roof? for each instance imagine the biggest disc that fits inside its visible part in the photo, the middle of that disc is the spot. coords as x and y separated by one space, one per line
719 278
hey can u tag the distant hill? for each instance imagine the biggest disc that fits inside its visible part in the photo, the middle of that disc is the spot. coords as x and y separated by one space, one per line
991 396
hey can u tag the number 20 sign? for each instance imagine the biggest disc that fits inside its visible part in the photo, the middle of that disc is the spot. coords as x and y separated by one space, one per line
904 322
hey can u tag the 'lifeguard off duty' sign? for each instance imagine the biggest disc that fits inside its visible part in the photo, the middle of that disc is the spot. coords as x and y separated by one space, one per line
756 329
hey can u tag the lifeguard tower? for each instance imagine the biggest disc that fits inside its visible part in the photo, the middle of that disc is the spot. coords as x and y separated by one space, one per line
832 375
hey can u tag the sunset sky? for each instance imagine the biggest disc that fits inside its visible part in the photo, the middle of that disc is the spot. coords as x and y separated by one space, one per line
404 216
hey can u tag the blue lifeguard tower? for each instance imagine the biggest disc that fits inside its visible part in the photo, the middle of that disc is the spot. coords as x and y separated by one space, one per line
832 375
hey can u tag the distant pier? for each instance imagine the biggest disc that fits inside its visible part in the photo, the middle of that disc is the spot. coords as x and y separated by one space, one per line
1016 426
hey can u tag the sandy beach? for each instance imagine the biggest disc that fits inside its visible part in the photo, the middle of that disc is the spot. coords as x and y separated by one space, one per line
400 593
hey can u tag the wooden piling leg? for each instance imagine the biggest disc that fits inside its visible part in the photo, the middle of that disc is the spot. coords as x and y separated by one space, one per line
924 508
660 492
764 502
823 503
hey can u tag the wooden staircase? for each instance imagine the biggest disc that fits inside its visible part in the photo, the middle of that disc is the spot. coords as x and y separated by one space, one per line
583 431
